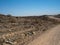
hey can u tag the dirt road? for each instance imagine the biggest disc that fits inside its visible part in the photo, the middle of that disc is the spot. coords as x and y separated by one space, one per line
50 37
52 17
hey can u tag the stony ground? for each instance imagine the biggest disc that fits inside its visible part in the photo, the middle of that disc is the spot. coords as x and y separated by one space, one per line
23 30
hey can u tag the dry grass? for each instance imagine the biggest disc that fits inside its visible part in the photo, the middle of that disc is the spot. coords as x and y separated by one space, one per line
22 30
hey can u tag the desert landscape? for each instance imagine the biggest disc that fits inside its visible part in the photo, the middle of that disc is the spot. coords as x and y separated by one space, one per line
30 30
29 22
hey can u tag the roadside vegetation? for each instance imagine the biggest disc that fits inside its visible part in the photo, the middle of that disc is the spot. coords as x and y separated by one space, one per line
22 30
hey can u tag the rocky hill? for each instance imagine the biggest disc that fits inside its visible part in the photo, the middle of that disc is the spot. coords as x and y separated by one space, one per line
22 30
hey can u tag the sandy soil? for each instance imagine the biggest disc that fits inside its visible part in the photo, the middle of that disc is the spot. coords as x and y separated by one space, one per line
51 37
52 17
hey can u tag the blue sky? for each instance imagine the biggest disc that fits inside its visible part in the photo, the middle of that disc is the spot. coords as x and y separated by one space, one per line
29 7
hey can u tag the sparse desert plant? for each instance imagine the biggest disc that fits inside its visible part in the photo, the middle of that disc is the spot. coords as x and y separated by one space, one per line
13 20
20 30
